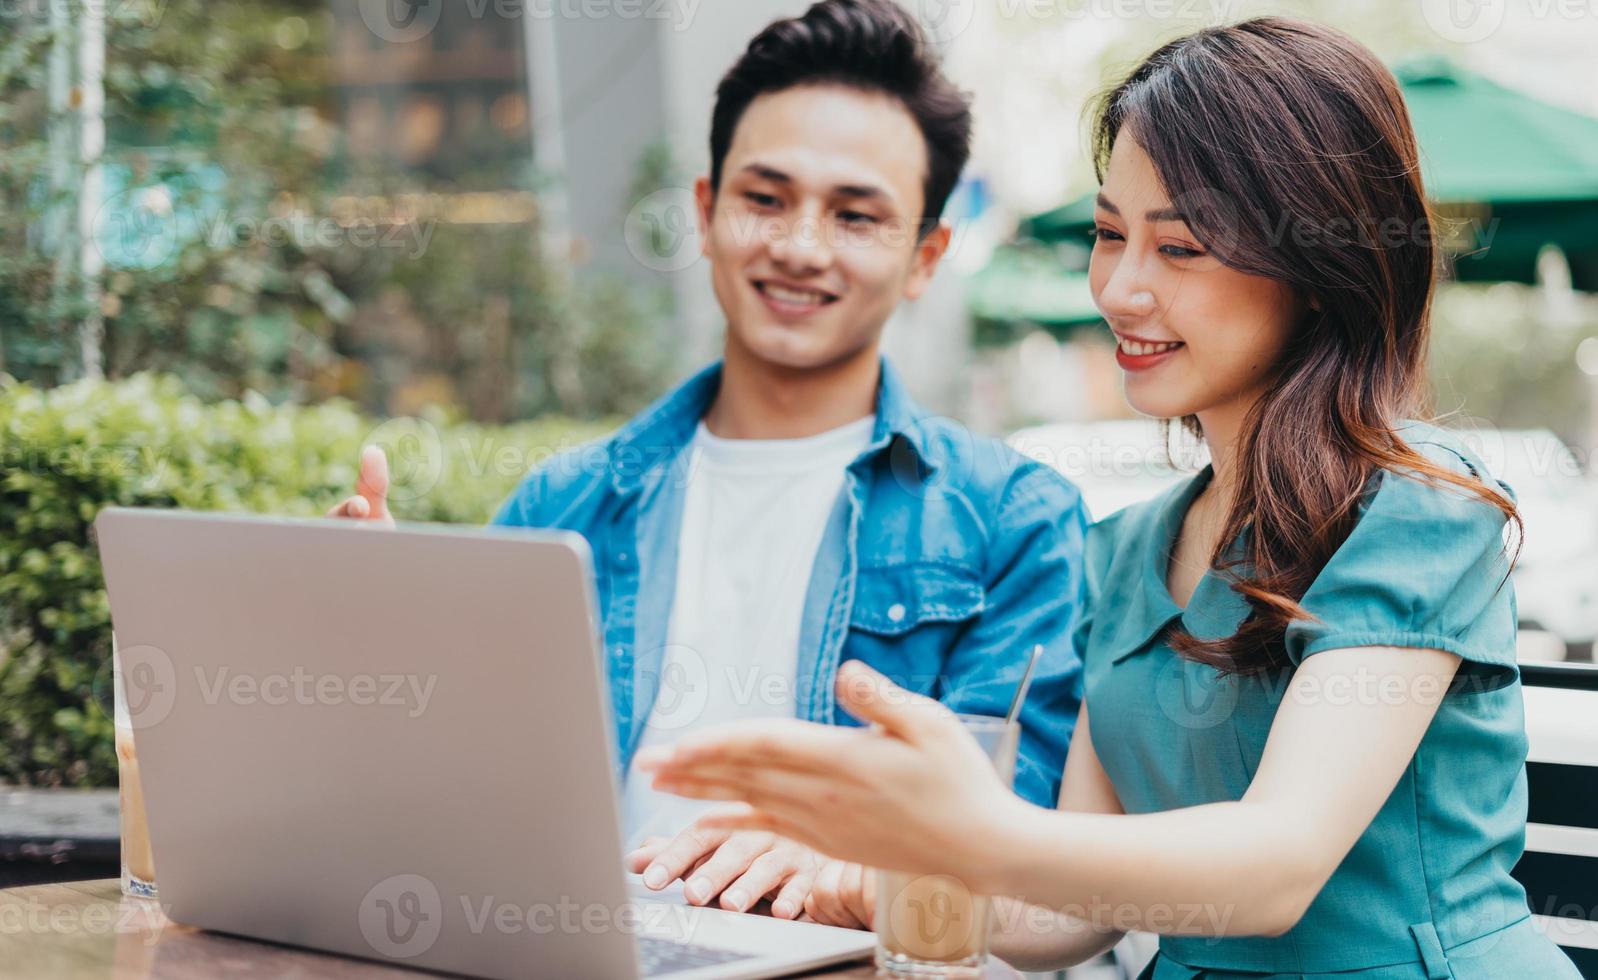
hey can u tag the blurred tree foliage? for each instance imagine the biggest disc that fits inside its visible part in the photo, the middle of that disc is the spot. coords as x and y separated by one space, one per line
226 261
68 451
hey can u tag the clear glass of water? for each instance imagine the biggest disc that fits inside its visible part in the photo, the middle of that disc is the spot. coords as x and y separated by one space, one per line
138 867
933 926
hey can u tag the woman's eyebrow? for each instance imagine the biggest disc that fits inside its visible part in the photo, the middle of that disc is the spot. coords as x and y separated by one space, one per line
1156 214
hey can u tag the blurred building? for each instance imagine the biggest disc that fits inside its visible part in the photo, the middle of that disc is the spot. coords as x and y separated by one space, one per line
610 107
450 103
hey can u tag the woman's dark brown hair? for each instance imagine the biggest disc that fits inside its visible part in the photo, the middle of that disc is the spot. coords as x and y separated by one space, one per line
1287 147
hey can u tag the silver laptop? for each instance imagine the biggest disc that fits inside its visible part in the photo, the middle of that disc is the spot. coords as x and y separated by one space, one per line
396 744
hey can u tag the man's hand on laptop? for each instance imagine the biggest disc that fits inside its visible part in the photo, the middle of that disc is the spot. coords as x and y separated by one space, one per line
741 867
370 502
843 894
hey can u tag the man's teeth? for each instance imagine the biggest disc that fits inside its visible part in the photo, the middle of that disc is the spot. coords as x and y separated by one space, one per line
799 297
1137 349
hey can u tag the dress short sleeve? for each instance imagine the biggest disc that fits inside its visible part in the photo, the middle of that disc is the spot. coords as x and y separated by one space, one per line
1425 567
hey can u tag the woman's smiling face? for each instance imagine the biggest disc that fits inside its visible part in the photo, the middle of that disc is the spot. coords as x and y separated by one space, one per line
1193 335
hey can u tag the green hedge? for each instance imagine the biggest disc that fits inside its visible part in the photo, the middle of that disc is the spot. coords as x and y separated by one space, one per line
66 452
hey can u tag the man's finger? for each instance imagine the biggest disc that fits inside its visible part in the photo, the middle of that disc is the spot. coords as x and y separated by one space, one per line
766 873
638 859
868 897
789 902
853 894
730 861
680 854
823 903
372 485
355 506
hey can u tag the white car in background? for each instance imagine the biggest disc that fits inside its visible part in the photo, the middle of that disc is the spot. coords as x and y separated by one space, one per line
1122 462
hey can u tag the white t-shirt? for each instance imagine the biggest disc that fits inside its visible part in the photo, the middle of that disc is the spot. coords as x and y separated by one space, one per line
752 521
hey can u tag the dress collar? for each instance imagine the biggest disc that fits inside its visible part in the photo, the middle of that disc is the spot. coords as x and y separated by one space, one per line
1136 589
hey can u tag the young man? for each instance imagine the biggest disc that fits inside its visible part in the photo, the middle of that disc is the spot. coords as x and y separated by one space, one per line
790 507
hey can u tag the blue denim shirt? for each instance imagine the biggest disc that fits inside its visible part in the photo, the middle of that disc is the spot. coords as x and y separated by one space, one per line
946 558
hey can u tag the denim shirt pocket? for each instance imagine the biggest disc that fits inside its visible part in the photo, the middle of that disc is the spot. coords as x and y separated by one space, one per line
892 600
908 616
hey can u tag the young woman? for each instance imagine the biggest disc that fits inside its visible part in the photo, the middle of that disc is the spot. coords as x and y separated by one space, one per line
1302 750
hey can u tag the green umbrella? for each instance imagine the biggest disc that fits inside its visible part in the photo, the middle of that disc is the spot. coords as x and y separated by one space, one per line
1481 142
1029 285
1066 222
1509 175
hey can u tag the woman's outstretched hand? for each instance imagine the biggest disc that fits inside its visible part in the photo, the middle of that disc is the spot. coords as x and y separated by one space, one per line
913 792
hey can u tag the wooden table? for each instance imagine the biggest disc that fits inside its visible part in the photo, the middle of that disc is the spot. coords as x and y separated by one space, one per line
87 930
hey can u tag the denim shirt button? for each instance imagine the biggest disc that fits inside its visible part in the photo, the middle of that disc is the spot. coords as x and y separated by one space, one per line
896 612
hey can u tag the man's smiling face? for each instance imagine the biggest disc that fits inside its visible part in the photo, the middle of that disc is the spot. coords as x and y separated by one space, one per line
812 234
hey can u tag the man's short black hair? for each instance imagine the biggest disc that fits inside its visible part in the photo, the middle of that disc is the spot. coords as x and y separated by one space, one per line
871 45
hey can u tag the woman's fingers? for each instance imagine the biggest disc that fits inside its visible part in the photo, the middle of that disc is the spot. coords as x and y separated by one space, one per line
739 816
783 793
874 699
788 744
798 827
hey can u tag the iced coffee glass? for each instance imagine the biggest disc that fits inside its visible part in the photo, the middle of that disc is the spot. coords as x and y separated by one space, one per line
138 868
933 925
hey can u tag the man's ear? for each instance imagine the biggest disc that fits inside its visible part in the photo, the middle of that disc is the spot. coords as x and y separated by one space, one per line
930 250
705 198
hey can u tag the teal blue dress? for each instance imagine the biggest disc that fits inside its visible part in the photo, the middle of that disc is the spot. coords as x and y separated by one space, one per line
1426 892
